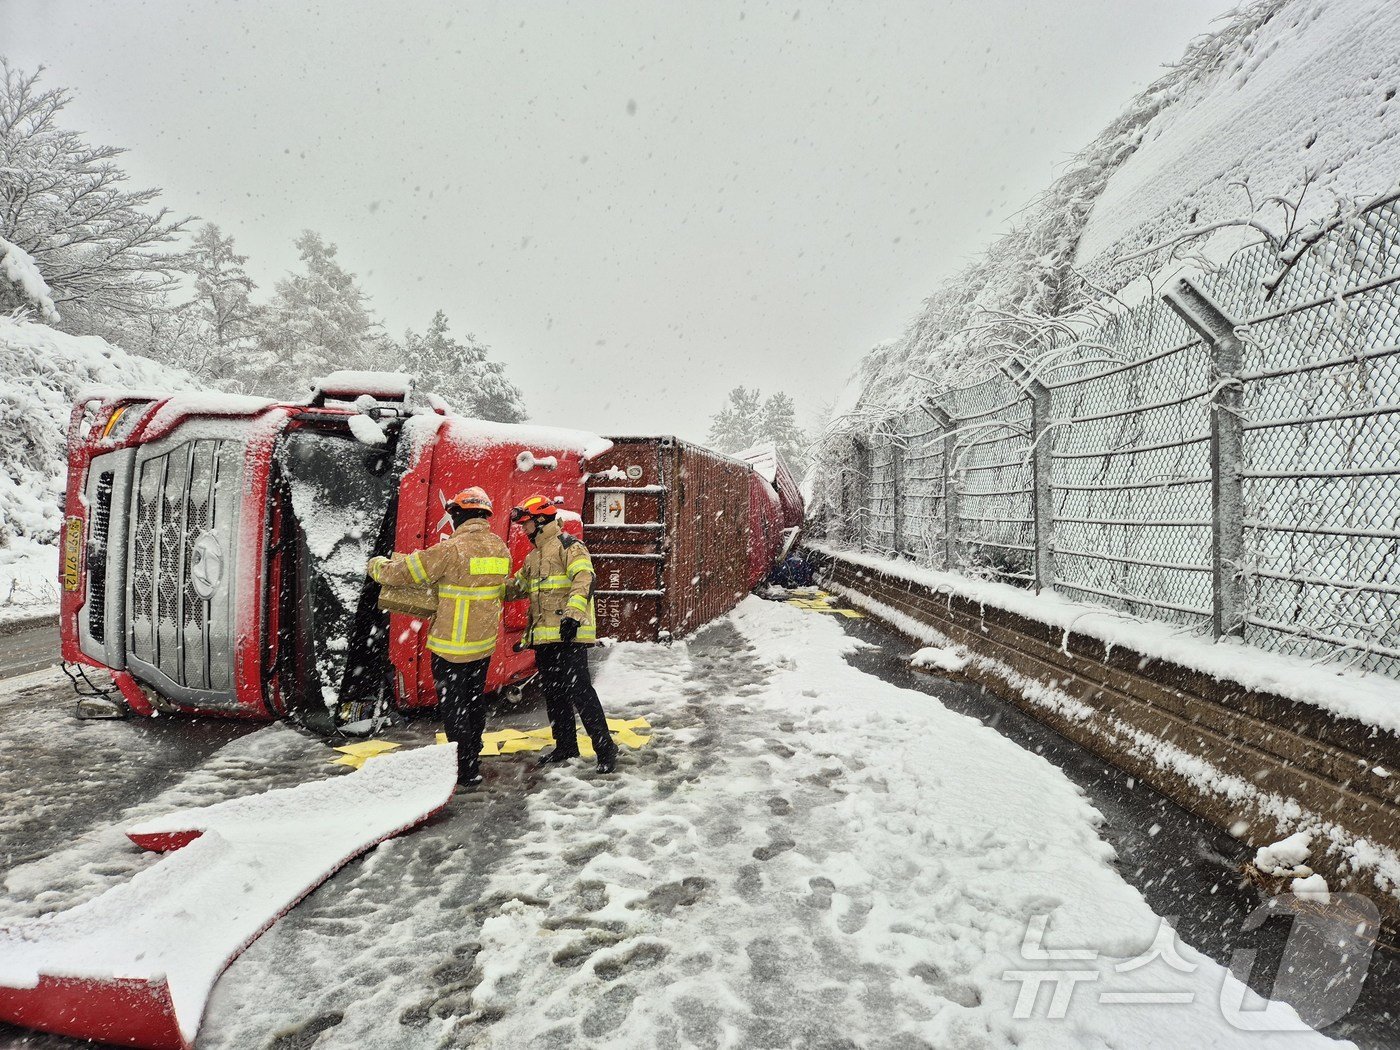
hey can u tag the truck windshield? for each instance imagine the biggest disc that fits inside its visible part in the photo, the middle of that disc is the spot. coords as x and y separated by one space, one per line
341 492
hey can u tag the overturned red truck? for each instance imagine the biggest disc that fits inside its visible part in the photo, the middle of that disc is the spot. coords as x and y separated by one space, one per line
214 546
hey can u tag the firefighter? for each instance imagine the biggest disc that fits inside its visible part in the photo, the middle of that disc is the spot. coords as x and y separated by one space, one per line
557 578
470 568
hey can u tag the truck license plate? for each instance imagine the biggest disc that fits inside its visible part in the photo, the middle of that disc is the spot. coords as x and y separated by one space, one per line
72 552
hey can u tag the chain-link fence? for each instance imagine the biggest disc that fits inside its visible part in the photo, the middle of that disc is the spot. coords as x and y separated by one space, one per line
1148 468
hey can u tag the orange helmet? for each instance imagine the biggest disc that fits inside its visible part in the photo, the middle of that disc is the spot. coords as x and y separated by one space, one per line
474 498
534 507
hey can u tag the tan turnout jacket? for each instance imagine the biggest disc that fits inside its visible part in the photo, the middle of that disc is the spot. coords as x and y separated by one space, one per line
557 578
470 569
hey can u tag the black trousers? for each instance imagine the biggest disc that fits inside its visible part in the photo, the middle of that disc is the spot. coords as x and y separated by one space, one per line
568 687
462 706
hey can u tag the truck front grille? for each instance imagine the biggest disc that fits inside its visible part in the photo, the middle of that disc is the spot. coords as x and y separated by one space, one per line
143 559
97 558
182 498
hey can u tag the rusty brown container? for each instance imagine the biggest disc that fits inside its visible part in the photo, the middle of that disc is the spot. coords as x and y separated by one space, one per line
667 524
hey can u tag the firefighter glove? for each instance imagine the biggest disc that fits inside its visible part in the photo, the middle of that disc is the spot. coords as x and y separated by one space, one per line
376 566
568 629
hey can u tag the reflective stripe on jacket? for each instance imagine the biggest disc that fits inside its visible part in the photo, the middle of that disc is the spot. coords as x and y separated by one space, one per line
470 569
557 578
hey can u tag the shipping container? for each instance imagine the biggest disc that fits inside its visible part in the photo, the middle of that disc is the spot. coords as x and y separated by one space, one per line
667 524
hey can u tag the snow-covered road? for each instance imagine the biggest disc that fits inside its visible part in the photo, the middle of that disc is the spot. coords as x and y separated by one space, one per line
804 856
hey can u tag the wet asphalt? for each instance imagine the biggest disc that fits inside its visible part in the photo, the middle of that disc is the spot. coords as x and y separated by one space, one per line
28 645
1187 869
62 775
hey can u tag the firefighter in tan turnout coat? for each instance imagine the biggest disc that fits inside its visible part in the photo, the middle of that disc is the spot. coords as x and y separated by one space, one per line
557 579
469 569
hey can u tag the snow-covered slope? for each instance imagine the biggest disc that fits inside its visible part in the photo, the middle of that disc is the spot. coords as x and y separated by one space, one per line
1310 93
1283 87
41 372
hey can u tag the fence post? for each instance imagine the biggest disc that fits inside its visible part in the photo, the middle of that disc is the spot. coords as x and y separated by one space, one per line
1217 328
1042 492
950 493
858 522
896 454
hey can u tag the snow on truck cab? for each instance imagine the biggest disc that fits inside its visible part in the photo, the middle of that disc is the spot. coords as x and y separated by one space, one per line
214 546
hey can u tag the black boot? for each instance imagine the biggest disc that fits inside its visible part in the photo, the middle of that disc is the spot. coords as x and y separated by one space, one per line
468 773
607 761
556 757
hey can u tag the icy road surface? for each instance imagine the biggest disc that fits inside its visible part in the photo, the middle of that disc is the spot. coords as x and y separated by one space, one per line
804 856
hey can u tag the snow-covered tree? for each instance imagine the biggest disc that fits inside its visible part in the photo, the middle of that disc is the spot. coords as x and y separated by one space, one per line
22 285
318 321
461 374
748 419
738 424
100 247
222 310
778 424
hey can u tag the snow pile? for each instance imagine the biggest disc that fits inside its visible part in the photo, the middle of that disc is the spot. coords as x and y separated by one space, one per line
351 385
481 433
1369 698
41 373
367 431
178 404
933 658
1285 856
18 268
1314 887
528 461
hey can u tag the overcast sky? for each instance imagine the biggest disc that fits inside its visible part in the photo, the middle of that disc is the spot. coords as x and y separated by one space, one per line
638 205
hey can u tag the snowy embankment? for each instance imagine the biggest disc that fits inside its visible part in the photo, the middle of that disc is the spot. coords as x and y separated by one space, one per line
1286 113
41 372
1370 698
1301 107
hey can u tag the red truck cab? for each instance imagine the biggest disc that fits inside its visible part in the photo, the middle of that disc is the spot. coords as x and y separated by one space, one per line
214 546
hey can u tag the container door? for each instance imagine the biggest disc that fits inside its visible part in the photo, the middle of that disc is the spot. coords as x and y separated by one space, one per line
626 514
